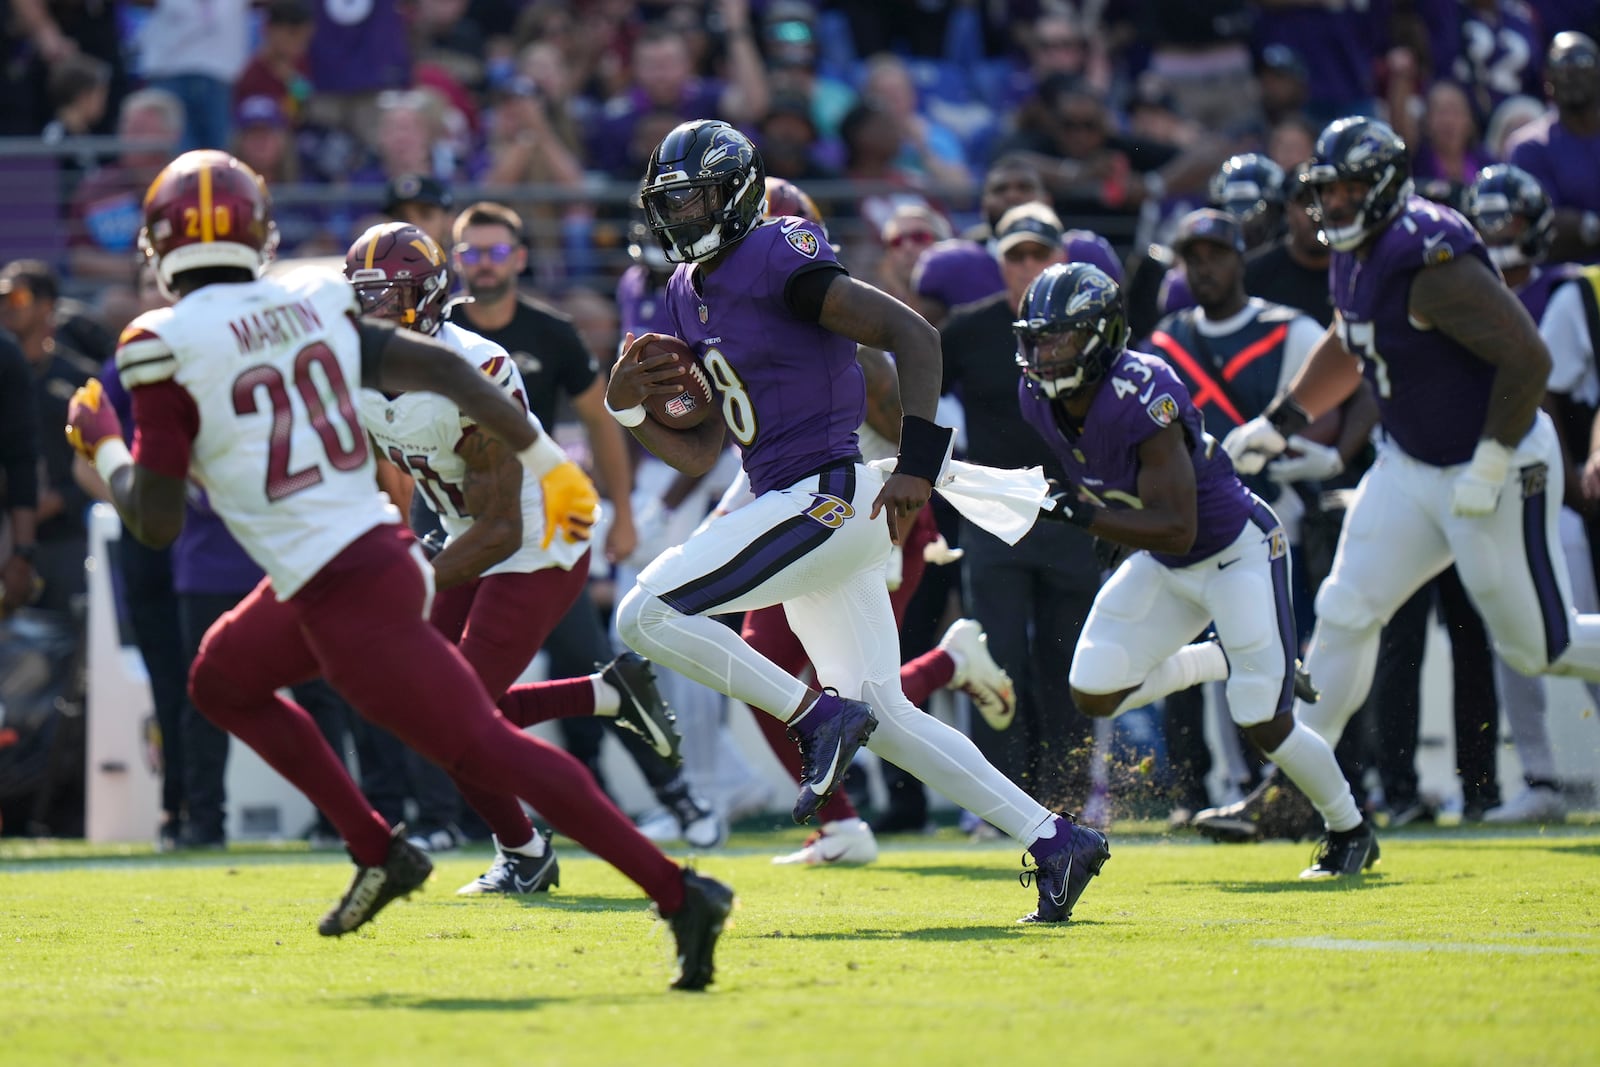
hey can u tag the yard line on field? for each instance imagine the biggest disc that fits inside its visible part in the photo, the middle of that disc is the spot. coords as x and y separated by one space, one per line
1339 944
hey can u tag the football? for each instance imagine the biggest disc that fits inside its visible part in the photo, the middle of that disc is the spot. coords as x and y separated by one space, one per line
688 408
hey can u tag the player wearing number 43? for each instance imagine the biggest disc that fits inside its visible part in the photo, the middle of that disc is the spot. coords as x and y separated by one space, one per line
274 363
1471 471
775 320
1146 475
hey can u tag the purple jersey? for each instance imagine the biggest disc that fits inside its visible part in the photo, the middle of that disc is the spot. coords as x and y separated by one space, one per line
1140 397
1563 162
1433 393
360 47
792 392
641 303
1174 295
1535 293
955 272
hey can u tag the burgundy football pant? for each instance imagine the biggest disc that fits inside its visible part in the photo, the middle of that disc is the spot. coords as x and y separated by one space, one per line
767 631
359 623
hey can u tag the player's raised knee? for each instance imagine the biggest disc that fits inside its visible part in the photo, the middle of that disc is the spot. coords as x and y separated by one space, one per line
1338 604
1098 705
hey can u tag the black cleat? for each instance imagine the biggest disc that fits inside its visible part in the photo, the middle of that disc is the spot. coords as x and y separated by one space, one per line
516 874
1275 809
1303 689
1342 853
828 735
642 710
404 869
1063 875
696 927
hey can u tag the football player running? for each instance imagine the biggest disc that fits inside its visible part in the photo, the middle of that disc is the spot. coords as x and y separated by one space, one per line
1471 469
516 557
1146 475
776 321
273 363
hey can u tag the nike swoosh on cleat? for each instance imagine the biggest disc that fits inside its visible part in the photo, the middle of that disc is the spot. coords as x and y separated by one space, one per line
831 856
828 777
1066 876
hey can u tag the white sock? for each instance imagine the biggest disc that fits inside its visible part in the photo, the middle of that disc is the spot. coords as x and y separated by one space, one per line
534 847
1045 830
1202 661
607 701
1307 759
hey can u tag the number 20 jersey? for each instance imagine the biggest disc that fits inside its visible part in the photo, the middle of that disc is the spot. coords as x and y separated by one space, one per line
1433 393
272 366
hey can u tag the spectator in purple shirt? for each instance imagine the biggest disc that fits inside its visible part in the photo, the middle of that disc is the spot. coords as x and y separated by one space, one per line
664 80
1562 150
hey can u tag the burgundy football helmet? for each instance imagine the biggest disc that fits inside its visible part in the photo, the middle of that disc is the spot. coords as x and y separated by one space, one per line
399 273
784 197
207 209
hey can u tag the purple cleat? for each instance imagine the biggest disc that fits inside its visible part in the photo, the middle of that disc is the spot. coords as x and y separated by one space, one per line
1066 862
828 735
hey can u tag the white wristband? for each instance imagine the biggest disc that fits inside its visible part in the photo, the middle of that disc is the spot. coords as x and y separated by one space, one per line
1491 462
542 457
628 417
111 456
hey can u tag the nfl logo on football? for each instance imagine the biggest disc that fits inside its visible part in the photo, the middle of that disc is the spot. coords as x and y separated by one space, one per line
681 405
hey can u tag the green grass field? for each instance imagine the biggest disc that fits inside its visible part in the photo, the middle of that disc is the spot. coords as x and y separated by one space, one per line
1464 948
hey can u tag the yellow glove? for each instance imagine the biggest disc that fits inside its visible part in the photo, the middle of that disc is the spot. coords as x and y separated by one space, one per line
91 420
571 503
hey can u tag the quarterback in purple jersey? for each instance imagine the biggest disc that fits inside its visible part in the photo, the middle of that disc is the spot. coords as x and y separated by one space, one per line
1146 475
1471 472
775 321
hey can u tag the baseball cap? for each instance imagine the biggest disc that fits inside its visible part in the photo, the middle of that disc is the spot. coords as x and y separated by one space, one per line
1027 222
416 189
1209 224
259 111
1282 59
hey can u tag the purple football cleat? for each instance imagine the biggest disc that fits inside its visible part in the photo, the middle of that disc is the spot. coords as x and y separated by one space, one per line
1066 862
828 735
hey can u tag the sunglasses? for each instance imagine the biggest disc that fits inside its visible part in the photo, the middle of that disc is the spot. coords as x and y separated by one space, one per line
1065 43
914 237
471 256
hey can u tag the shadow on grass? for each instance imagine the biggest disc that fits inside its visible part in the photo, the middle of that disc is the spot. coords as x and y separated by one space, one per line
1365 883
1000 930
951 870
1590 849
403 1002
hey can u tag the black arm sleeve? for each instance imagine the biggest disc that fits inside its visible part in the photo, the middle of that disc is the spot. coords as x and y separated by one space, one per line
19 441
375 335
807 286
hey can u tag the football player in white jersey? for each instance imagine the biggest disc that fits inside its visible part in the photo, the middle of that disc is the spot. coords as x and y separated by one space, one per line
517 553
246 384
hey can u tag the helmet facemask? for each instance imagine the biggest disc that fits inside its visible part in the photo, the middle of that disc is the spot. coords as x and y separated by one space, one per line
694 219
1061 360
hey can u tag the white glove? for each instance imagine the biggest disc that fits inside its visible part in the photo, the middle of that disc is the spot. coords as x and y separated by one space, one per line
1251 445
1312 463
1477 489
939 553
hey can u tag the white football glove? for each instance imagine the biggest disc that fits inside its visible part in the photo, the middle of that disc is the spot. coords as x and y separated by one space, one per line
1251 445
1477 489
1312 463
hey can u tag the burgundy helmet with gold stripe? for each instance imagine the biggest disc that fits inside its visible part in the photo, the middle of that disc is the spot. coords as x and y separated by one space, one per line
399 273
207 209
